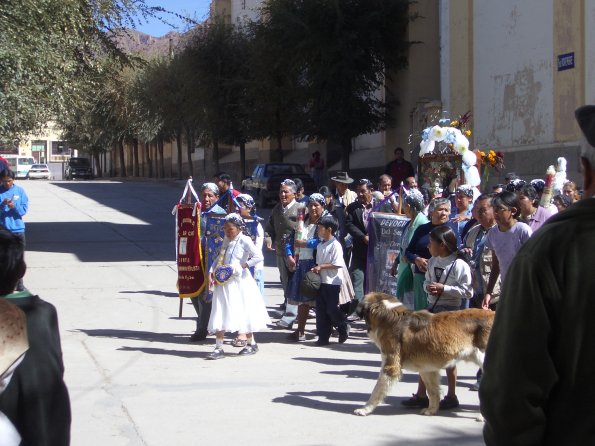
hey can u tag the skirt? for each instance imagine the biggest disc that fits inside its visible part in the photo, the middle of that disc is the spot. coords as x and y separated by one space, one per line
293 287
238 306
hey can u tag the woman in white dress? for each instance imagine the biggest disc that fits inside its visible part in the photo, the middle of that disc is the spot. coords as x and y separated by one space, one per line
237 302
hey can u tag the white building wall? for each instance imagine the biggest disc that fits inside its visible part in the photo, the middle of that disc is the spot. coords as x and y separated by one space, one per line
513 81
244 10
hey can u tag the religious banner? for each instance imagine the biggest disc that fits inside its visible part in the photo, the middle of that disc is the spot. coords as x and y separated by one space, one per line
191 275
384 231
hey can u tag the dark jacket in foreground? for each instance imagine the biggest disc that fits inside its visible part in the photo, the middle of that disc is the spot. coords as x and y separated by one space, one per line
538 385
36 400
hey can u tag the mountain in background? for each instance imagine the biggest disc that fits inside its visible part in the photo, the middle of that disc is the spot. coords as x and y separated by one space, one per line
139 43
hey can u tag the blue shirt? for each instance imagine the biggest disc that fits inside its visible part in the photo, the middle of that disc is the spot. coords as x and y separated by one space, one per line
12 219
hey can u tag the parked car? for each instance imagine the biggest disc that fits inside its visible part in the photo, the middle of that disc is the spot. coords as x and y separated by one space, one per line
78 168
39 172
264 182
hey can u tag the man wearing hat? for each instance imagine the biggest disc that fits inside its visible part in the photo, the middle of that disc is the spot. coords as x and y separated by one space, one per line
537 386
343 197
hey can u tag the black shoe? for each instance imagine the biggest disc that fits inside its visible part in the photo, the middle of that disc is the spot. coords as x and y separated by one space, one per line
216 354
416 401
248 350
343 335
449 402
199 335
321 343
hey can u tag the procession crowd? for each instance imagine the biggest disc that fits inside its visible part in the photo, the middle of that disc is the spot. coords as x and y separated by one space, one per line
457 250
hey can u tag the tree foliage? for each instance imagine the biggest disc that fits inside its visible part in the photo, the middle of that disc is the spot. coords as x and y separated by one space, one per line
341 51
50 54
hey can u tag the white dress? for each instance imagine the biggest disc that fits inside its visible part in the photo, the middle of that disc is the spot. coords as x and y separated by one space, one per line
238 304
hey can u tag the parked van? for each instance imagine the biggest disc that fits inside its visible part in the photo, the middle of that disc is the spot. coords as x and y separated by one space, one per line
20 165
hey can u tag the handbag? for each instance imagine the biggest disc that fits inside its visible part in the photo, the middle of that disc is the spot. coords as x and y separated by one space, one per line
222 274
431 310
310 284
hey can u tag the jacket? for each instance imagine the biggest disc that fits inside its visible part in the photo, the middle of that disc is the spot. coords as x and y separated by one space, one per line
355 226
537 386
281 226
12 219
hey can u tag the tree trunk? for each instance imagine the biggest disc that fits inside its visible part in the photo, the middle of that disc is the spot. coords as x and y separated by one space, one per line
243 159
135 168
148 158
122 160
189 144
345 144
161 163
215 157
97 164
279 150
179 144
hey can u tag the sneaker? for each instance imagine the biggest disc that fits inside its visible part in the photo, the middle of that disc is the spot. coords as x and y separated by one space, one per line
475 386
248 350
216 354
344 335
449 402
312 313
283 325
416 401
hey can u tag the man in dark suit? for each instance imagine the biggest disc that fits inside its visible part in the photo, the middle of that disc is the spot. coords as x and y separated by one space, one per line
356 223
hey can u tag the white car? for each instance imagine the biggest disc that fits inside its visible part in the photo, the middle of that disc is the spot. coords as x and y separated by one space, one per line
39 171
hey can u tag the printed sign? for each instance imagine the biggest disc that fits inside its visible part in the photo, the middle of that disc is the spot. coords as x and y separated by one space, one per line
385 231
565 61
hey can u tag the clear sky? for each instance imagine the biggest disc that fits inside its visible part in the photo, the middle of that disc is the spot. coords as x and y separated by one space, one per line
195 9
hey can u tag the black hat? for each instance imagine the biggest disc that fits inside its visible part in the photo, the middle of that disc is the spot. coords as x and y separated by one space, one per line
585 116
342 177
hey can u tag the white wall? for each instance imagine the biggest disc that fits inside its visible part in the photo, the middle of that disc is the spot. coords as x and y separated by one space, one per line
513 81
242 10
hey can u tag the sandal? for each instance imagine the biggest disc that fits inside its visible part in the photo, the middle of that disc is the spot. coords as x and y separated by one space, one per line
237 342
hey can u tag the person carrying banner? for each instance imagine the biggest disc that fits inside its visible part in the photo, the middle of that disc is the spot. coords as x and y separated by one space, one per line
237 303
358 213
209 194
414 205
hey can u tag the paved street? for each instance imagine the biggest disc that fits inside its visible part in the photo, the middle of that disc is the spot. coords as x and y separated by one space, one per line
103 253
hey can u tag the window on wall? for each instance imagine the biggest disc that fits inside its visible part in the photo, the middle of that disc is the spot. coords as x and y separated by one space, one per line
60 148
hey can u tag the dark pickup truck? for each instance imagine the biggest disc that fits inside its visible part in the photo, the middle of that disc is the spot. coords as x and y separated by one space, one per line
264 182
78 168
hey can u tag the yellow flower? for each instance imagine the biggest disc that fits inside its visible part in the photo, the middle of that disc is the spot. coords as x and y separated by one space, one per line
468 132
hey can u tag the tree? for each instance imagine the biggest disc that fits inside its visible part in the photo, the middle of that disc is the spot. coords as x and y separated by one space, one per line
51 52
217 55
341 51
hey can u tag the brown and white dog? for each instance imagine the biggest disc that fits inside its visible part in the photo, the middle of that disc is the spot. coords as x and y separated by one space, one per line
422 342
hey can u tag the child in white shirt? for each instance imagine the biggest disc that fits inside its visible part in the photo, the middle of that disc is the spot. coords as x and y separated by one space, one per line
329 259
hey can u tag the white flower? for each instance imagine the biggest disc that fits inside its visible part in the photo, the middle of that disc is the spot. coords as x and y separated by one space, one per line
426 147
461 144
437 134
